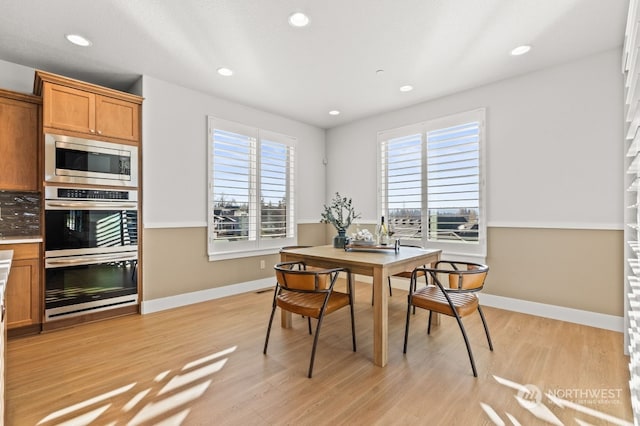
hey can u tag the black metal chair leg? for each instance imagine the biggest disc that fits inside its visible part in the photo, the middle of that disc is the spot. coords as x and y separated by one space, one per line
466 342
309 322
353 318
406 327
429 325
266 341
486 329
414 285
315 343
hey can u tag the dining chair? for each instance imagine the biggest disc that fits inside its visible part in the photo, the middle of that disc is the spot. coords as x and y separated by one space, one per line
457 297
405 274
310 292
301 266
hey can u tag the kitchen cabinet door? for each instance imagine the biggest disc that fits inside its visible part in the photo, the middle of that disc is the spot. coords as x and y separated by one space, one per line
117 119
23 296
19 130
67 108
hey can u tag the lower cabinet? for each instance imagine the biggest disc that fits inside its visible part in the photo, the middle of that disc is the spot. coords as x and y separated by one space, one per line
23 294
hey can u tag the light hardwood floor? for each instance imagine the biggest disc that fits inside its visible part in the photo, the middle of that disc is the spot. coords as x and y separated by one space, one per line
203 365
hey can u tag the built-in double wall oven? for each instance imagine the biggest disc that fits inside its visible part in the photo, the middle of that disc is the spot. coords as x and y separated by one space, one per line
91 232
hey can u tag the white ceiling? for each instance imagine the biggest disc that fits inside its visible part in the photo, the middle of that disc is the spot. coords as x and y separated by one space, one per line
437 46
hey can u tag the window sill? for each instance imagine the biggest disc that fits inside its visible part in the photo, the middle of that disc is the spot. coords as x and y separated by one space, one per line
214 257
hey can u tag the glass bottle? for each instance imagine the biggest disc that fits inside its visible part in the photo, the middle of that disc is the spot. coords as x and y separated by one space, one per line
383 233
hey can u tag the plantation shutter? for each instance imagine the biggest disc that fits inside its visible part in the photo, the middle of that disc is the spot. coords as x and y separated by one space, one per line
277 169
431 183
234 165
453 182
402 184
251 191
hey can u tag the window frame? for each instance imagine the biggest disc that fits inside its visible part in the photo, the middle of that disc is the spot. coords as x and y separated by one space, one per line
462 249
222 250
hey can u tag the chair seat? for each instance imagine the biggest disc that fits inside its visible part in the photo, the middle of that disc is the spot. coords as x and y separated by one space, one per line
432 299
310 304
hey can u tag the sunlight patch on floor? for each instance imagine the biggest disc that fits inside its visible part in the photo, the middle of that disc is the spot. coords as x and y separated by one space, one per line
530 397
193 376
156 409
563 403
87 403
86 418
493 416
209 358
164 400
135 400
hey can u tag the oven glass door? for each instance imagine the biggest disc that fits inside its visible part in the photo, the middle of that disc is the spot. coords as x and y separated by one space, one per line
93 161
76 229
71 285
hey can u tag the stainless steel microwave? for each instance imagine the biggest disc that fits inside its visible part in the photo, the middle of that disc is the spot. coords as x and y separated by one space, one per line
75 160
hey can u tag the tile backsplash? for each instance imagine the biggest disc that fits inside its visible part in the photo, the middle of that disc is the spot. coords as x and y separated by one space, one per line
19 214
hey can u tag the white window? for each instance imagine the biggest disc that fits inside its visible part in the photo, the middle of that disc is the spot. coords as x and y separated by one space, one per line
432 183
251 190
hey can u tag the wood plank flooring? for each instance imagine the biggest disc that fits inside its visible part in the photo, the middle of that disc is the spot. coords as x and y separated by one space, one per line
203 365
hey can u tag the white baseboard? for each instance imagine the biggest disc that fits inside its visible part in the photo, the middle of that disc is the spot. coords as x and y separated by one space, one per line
170 302
592 319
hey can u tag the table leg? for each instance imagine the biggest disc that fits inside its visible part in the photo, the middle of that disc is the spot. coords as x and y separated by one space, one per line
285 319
380 319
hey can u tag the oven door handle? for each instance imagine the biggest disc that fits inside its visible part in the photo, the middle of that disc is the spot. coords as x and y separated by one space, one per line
92 259
80 205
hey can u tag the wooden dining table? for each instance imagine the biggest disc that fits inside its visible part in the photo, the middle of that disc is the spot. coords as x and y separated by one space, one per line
376 263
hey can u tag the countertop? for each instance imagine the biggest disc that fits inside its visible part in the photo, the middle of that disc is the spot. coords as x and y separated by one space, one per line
22 239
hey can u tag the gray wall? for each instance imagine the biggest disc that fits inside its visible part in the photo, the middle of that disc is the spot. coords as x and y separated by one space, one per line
554 179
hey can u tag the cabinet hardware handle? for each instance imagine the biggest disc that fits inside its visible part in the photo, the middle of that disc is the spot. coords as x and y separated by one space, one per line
97 259
76 205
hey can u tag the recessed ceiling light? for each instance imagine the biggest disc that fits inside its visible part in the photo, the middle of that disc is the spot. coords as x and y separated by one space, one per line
78 40
225 72
521 50
406 88
334 112
298 19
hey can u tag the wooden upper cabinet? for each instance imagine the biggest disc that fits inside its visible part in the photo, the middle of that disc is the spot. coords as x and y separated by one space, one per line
68 109
117 119
74 106
19 136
